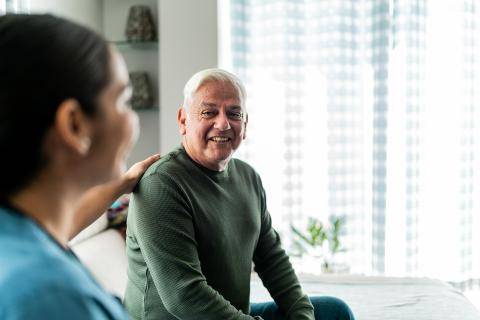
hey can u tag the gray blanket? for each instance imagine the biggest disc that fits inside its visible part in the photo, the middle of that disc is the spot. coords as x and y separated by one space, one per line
382 298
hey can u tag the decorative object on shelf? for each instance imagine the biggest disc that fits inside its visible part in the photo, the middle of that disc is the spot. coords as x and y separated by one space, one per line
321 244
142 97
140 26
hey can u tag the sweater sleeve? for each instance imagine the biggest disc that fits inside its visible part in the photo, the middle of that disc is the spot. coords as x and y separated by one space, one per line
277 274
166 235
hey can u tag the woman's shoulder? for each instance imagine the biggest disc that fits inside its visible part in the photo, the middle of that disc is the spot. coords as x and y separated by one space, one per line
47 283
34 268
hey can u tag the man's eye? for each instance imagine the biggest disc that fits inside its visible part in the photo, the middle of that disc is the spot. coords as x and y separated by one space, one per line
235 115
208 114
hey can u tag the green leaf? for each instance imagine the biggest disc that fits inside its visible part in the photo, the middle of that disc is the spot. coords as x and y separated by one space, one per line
302 236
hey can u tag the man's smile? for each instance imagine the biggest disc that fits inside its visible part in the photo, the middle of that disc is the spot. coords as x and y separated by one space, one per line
219 139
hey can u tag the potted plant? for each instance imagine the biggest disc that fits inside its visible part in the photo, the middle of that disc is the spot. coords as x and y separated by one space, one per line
321 242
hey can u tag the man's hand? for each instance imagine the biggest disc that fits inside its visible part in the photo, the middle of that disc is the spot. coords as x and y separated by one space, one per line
130 178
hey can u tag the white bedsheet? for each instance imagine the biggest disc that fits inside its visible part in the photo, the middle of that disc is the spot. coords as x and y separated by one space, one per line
382 298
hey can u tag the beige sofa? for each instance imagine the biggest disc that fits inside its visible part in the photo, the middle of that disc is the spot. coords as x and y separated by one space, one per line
102 251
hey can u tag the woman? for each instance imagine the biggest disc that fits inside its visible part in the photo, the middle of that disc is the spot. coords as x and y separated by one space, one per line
65 126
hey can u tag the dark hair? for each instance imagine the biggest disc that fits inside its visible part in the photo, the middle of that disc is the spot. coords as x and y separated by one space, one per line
44 60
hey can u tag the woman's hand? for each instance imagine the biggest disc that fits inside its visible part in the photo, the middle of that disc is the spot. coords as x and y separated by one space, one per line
130 178
98 199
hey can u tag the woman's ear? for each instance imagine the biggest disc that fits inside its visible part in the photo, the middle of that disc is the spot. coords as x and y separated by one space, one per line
182 120
73 127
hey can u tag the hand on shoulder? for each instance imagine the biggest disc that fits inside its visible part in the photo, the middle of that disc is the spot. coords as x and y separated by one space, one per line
131 177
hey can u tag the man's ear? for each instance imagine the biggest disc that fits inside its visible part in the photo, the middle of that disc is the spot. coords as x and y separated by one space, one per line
182 120
245 127
73 127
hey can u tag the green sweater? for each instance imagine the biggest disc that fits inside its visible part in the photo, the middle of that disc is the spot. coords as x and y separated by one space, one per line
192 235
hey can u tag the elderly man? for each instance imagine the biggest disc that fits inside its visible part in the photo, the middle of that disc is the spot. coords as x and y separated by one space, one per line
199 218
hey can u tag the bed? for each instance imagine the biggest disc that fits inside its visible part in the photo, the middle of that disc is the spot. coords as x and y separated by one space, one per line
383 298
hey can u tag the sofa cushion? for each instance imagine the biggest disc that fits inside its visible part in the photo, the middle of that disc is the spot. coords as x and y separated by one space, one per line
104 255
96 227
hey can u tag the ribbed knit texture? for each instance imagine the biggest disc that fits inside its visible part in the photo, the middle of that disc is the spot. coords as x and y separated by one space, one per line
191 238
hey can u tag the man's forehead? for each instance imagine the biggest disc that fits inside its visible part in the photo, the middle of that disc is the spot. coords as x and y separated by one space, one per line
219 89
212 104
219 100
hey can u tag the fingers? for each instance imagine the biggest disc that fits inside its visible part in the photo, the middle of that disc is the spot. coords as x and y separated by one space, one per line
149 161
133 175
154 157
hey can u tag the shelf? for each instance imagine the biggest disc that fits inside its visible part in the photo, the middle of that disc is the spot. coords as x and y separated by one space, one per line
135 45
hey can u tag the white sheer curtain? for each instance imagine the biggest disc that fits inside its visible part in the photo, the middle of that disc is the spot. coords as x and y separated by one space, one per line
316 77
14 6
367 109
433 151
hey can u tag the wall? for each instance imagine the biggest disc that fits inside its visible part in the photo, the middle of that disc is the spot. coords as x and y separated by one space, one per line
115 14
188 43
87 12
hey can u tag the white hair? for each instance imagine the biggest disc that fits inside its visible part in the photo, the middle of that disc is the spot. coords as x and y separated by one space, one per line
212 75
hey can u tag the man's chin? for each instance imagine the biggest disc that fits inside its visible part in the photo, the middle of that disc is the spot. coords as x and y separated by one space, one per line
222 156
220 160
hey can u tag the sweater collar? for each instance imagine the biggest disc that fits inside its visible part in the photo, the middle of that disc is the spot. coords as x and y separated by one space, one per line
215 175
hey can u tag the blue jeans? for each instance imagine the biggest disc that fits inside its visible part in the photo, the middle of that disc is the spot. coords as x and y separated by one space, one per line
325 308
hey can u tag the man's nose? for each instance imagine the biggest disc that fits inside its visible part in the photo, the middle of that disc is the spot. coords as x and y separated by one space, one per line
222 122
